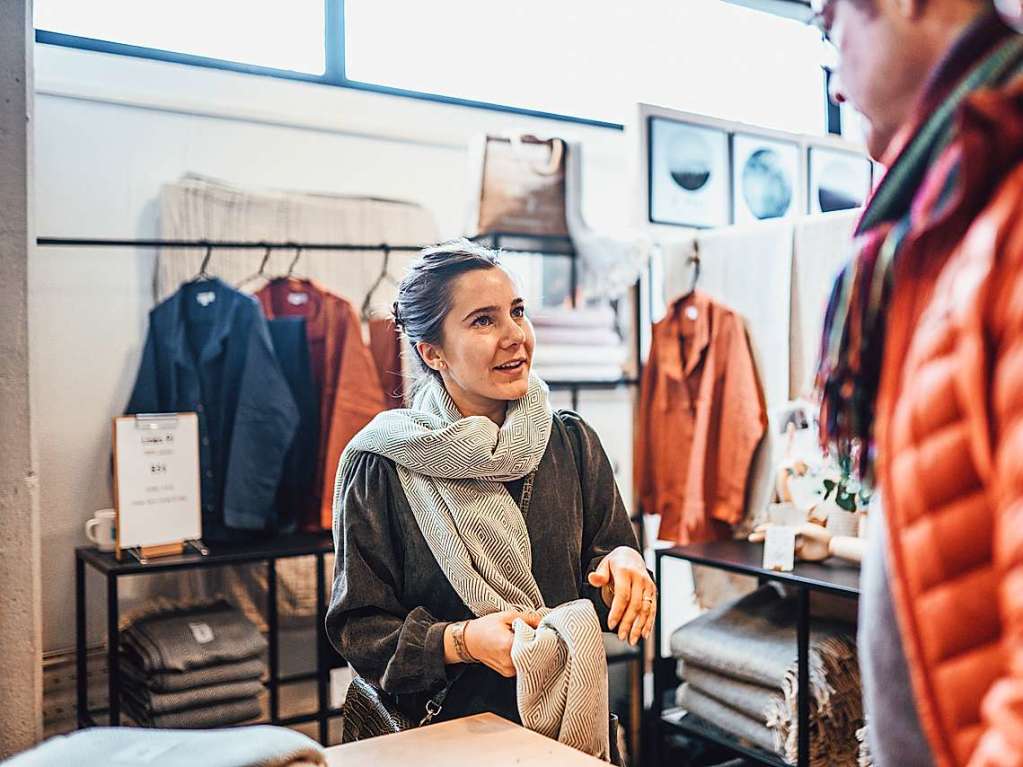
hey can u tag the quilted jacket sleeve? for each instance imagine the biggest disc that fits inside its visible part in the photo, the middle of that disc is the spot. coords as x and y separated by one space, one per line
1002 742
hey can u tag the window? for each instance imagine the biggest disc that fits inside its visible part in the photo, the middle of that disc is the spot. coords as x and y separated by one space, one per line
574 59
594 60
266 33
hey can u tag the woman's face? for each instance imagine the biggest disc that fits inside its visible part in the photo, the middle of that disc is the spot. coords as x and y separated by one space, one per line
487 346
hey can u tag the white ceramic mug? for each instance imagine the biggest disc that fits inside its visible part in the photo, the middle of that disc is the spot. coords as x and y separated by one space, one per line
102 529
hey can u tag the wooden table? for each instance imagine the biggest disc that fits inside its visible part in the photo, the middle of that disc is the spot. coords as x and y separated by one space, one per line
472 741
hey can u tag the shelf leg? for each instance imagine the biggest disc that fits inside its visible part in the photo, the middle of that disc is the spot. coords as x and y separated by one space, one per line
322 666
113 657
803 649
273 640
81 657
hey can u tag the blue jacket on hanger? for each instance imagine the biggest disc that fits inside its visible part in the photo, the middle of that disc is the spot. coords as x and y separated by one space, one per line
208 350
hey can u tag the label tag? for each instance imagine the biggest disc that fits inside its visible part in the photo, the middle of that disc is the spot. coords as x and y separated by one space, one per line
202 632
297 299
780 549
692 313
207 298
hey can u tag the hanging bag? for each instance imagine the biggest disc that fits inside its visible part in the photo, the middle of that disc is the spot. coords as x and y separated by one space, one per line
522 190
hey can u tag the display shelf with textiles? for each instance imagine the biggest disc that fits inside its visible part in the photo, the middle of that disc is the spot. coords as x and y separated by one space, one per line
832 577
269 552
690 724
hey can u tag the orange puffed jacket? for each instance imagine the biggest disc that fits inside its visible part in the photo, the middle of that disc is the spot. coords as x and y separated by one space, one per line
950 451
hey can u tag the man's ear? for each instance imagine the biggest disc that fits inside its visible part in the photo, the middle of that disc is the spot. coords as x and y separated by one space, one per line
431 355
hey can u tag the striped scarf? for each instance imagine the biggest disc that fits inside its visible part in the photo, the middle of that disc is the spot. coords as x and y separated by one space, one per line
452 469
925 201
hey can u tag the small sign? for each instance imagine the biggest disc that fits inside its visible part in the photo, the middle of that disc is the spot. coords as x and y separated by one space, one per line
780 548
156 480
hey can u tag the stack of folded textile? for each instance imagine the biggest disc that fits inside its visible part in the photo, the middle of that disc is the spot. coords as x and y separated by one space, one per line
193 667
740 671
577 345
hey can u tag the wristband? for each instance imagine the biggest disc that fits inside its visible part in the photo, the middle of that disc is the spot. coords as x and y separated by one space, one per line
458 639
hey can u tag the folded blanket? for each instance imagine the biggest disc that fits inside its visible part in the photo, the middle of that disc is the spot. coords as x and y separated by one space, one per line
175 681
217 715
183 640
261 746
754 639
576 336
597 317
566 354
753 700
185 700
734 722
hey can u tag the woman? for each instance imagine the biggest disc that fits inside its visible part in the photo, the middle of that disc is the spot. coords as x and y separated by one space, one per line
517 503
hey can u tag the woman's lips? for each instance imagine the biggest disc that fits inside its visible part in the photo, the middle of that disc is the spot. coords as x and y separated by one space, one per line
513 368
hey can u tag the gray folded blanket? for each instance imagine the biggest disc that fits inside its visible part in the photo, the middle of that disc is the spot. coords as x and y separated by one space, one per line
185 700
734 722
261 746
175 681
217 715
187 639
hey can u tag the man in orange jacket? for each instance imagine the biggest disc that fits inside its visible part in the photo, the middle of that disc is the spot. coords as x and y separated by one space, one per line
922 374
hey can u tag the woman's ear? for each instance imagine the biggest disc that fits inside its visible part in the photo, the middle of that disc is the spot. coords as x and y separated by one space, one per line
432 356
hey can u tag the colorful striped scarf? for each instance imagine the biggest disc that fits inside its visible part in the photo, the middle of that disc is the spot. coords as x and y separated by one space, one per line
922 200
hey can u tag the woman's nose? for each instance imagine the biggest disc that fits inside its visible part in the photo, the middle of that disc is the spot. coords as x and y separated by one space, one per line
514 334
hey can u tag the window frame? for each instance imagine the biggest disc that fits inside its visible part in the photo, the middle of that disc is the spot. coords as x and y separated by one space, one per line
334 70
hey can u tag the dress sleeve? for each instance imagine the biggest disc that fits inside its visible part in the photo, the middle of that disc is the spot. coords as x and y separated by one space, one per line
398 648
606 524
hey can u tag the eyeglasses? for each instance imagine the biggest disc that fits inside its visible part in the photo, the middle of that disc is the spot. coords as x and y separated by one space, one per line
821 19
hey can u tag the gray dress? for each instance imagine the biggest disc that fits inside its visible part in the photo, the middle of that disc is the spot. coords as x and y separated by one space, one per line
391 601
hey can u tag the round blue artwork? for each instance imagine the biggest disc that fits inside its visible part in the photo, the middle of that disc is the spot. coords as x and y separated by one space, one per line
766 185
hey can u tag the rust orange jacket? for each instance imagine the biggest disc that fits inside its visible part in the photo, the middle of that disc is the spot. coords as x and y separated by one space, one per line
949 437
343 370
701 417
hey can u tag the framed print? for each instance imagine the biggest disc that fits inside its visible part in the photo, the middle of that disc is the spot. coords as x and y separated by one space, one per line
839 180
687 169
765 178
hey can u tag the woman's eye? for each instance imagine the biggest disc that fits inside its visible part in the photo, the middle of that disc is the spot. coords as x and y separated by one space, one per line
482 321
518 312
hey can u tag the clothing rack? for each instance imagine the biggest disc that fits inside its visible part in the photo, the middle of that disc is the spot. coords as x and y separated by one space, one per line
221 245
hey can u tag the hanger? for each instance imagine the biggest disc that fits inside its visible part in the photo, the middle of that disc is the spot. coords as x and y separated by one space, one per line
203 274
384 276
694 259
260 273
291 266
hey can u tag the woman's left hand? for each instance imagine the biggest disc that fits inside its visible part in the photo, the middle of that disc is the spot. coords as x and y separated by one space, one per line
634 602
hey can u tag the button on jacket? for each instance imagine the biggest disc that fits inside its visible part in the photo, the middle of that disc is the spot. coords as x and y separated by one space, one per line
701 416
343 371
208 351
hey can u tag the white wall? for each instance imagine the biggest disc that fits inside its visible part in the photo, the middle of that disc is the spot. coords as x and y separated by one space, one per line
109 131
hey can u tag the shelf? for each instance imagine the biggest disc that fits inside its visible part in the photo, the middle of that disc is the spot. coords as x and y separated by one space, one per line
513 242
592 384
678 720
833 576
279 547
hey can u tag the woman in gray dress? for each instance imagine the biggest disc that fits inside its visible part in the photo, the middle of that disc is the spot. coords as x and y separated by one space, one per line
479 529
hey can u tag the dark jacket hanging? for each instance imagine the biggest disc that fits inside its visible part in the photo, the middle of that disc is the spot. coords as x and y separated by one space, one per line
208 350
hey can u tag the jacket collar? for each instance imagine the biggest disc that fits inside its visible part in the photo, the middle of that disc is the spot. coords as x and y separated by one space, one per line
274 297
222 308
677 325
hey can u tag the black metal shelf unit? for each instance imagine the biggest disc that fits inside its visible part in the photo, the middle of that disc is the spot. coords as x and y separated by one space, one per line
282 547
831 576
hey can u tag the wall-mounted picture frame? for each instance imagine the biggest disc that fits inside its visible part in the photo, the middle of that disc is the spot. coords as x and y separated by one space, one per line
838 179
688 180
766 179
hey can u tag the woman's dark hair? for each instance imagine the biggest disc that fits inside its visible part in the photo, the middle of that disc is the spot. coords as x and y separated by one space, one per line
424 295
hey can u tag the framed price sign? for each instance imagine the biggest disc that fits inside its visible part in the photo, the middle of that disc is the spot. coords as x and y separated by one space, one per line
156 482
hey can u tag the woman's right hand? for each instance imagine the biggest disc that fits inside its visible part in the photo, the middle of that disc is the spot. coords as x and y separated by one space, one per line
489 639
